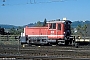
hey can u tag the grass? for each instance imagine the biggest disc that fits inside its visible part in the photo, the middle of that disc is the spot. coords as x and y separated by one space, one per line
9 42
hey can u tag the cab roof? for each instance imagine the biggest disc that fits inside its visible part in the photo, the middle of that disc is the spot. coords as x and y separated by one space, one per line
61 21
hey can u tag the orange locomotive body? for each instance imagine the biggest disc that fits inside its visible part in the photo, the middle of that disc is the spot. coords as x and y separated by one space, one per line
58 32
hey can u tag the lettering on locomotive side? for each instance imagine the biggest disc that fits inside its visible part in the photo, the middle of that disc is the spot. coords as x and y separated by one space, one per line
52 32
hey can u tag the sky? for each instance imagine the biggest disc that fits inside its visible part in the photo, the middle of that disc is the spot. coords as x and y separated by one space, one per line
23 12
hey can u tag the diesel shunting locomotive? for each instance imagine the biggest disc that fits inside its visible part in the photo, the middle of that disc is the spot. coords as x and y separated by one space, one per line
56 32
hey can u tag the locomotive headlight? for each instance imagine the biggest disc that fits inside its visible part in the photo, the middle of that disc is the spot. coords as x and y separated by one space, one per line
64 32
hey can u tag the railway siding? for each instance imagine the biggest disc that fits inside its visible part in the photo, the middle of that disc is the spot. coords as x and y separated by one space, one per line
45 52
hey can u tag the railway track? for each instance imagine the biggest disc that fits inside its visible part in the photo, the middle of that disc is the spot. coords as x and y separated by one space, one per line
44 52
40 58
44 48
54 57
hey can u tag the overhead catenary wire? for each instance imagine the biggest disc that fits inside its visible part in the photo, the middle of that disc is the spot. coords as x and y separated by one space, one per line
3 2
33 2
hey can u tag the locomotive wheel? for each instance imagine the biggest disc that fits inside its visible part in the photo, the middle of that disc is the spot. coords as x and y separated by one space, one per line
66 42
49 44
29 44
73 43
76 45
21 43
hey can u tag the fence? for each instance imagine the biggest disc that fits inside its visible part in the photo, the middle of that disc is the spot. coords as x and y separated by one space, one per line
9 39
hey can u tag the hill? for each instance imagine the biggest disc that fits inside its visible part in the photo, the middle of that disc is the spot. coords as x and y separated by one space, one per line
7 26
74 24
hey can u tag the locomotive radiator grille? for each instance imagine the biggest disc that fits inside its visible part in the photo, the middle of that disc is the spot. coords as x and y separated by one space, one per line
38 39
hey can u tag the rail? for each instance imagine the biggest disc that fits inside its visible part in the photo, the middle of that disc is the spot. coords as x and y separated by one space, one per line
44 53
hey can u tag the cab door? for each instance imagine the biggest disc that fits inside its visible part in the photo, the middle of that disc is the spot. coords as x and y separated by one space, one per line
58 29
52 30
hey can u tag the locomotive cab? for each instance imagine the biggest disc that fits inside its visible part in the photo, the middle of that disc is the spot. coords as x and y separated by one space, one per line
60 31
59 28
55 29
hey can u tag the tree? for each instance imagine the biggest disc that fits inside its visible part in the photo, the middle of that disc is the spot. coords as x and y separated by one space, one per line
16 31
38 24
84 30
12 31
44 23
72 30
19 30
81 30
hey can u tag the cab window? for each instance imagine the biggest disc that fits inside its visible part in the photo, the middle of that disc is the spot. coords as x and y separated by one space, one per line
59 26
53 26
